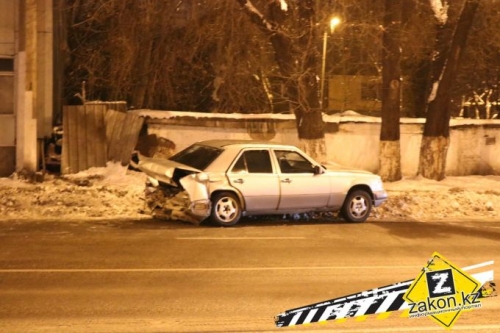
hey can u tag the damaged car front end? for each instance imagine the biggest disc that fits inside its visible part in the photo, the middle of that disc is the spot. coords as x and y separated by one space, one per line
174 191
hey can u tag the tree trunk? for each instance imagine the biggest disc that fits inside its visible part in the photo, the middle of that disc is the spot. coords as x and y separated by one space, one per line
436 137
390 151
297 61
316 148
433 156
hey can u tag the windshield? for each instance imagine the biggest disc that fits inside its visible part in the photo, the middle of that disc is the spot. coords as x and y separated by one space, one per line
197 156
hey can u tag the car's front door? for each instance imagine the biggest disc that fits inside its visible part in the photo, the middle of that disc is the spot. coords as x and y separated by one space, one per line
301 188
254 177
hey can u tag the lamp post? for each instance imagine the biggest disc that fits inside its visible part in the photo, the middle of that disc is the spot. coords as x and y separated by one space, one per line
334 22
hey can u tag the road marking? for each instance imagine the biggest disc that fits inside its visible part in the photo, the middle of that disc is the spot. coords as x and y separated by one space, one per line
236 238
486 263
212 269
437 328
196 269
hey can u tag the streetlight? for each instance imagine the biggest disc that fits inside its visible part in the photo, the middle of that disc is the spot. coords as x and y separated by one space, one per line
334 22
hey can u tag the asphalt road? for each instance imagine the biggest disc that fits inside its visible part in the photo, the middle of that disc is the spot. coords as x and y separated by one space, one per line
160 276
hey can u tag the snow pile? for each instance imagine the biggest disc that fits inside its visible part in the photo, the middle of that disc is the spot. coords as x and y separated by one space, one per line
111 192
115 192
470 197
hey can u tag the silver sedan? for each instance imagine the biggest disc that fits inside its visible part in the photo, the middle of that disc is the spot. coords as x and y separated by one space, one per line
224 180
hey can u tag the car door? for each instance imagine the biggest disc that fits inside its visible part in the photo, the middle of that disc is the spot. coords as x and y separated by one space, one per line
300 187
253 175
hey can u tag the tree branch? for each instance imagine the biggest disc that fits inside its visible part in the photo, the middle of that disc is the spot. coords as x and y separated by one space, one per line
257 18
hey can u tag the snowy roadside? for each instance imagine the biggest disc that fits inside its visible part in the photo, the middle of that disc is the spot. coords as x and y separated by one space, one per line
115 192
97 193
474 198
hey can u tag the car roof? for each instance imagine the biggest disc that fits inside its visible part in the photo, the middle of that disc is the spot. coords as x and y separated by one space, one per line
238 142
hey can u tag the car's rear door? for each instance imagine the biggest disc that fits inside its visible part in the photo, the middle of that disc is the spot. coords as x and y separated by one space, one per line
300 187
253 175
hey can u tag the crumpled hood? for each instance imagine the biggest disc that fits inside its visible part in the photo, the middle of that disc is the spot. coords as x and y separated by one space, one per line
162 169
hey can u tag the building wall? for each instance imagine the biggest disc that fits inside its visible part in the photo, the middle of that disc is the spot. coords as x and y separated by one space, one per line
26 96
350 140
44 100
7 84
354 92
7 27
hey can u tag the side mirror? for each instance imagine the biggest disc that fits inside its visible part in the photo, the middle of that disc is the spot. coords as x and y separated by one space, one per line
318 170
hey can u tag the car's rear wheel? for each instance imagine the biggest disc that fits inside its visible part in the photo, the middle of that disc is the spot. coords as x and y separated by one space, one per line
226 209
357 206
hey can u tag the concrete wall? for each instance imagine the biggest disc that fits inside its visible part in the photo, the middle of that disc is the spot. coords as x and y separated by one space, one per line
351 140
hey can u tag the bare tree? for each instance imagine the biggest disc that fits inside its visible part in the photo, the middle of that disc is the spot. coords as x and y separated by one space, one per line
436 136
416 56
296 55
478 81
166 54
390 151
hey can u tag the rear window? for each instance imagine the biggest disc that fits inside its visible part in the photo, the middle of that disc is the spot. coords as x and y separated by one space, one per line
197 156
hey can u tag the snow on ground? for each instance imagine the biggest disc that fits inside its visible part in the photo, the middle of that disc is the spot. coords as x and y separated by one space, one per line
115 192
111 192
454 198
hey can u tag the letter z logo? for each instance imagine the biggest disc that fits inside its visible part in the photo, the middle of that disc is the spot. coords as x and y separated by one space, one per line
440 283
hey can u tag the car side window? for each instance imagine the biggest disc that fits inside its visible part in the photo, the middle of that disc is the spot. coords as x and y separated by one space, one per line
293 162
241 165
254 161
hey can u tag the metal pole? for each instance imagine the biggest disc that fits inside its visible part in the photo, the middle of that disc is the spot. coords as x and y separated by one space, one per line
323 68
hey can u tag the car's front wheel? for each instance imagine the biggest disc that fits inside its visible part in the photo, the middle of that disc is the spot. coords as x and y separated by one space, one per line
226 209
357 206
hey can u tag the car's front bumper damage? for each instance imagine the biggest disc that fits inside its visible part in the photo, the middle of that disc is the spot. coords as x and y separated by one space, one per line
164 203
183 199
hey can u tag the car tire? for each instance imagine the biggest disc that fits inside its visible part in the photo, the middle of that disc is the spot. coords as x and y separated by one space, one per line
226 209
357 206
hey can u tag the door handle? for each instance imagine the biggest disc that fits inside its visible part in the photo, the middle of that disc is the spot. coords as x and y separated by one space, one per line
238 181
286 180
